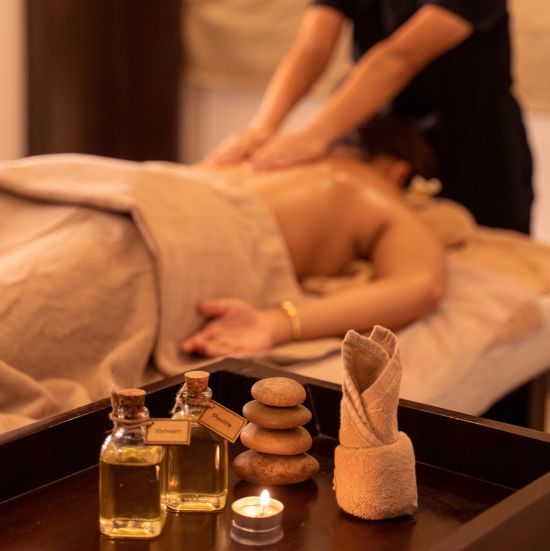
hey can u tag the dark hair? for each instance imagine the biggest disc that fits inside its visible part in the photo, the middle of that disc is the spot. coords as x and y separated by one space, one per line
388 134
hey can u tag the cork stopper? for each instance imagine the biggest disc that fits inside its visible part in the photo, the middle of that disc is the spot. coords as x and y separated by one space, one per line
196 382
129 400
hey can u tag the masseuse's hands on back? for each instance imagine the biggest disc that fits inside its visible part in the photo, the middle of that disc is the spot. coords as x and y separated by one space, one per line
234 326
261 144
264 151
382 73
238 147
290 149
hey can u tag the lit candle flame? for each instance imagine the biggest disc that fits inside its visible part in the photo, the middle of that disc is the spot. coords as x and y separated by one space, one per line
264 500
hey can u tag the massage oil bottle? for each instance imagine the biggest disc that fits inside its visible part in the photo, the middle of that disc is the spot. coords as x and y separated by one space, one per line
197 474
132 480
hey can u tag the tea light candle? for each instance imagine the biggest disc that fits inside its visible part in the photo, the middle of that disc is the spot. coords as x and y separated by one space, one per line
257 520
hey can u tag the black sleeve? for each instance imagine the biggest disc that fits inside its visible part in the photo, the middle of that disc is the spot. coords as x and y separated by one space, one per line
344 6
482 14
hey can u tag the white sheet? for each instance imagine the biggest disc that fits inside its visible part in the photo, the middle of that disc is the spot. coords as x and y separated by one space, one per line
473 386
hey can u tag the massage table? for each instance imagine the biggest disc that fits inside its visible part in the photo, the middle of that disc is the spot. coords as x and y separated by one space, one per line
476 387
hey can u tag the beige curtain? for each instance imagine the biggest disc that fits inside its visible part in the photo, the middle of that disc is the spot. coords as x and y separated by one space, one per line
531 43
236 44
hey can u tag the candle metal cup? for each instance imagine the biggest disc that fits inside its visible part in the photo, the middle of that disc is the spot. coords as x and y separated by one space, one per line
252 527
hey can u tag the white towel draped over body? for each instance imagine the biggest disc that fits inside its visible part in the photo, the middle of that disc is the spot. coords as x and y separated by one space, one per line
102 264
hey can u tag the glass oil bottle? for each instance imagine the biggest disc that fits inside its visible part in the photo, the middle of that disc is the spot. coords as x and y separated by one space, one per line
197 474
132 479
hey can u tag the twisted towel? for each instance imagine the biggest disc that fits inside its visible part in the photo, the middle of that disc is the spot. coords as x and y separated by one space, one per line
374 475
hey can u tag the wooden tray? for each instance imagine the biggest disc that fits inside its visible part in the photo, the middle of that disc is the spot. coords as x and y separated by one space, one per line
482 485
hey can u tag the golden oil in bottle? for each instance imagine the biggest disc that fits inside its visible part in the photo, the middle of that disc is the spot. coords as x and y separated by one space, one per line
197 479
197 474
132 479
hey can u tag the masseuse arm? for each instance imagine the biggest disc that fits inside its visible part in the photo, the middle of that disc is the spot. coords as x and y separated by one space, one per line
382 72
411 272
293 78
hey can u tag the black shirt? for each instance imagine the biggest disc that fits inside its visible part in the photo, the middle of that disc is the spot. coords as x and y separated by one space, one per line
464 99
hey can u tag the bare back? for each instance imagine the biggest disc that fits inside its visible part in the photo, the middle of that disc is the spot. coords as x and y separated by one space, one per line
320 216
340 209
333 212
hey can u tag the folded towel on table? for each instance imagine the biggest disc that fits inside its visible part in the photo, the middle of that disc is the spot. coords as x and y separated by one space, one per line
374 475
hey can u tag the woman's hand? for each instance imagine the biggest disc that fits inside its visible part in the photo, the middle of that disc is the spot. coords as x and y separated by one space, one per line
289 150
235 326
238 147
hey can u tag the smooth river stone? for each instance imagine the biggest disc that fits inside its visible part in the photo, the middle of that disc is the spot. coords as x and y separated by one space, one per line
262 468
279 392
270 417
275 441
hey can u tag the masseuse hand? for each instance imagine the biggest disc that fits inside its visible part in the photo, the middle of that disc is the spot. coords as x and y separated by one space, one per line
234 326
287 150
238 147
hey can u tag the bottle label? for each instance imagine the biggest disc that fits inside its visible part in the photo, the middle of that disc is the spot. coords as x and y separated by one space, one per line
168 431
222 421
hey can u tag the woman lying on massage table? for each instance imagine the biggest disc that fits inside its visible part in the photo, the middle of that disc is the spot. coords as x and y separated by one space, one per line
326 224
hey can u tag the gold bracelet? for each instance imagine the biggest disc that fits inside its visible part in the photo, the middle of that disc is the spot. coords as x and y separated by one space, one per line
293 317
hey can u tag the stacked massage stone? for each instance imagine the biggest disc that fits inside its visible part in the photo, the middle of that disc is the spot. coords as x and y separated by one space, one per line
275 435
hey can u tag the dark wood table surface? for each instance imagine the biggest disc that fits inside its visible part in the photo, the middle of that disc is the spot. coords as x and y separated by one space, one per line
471 494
